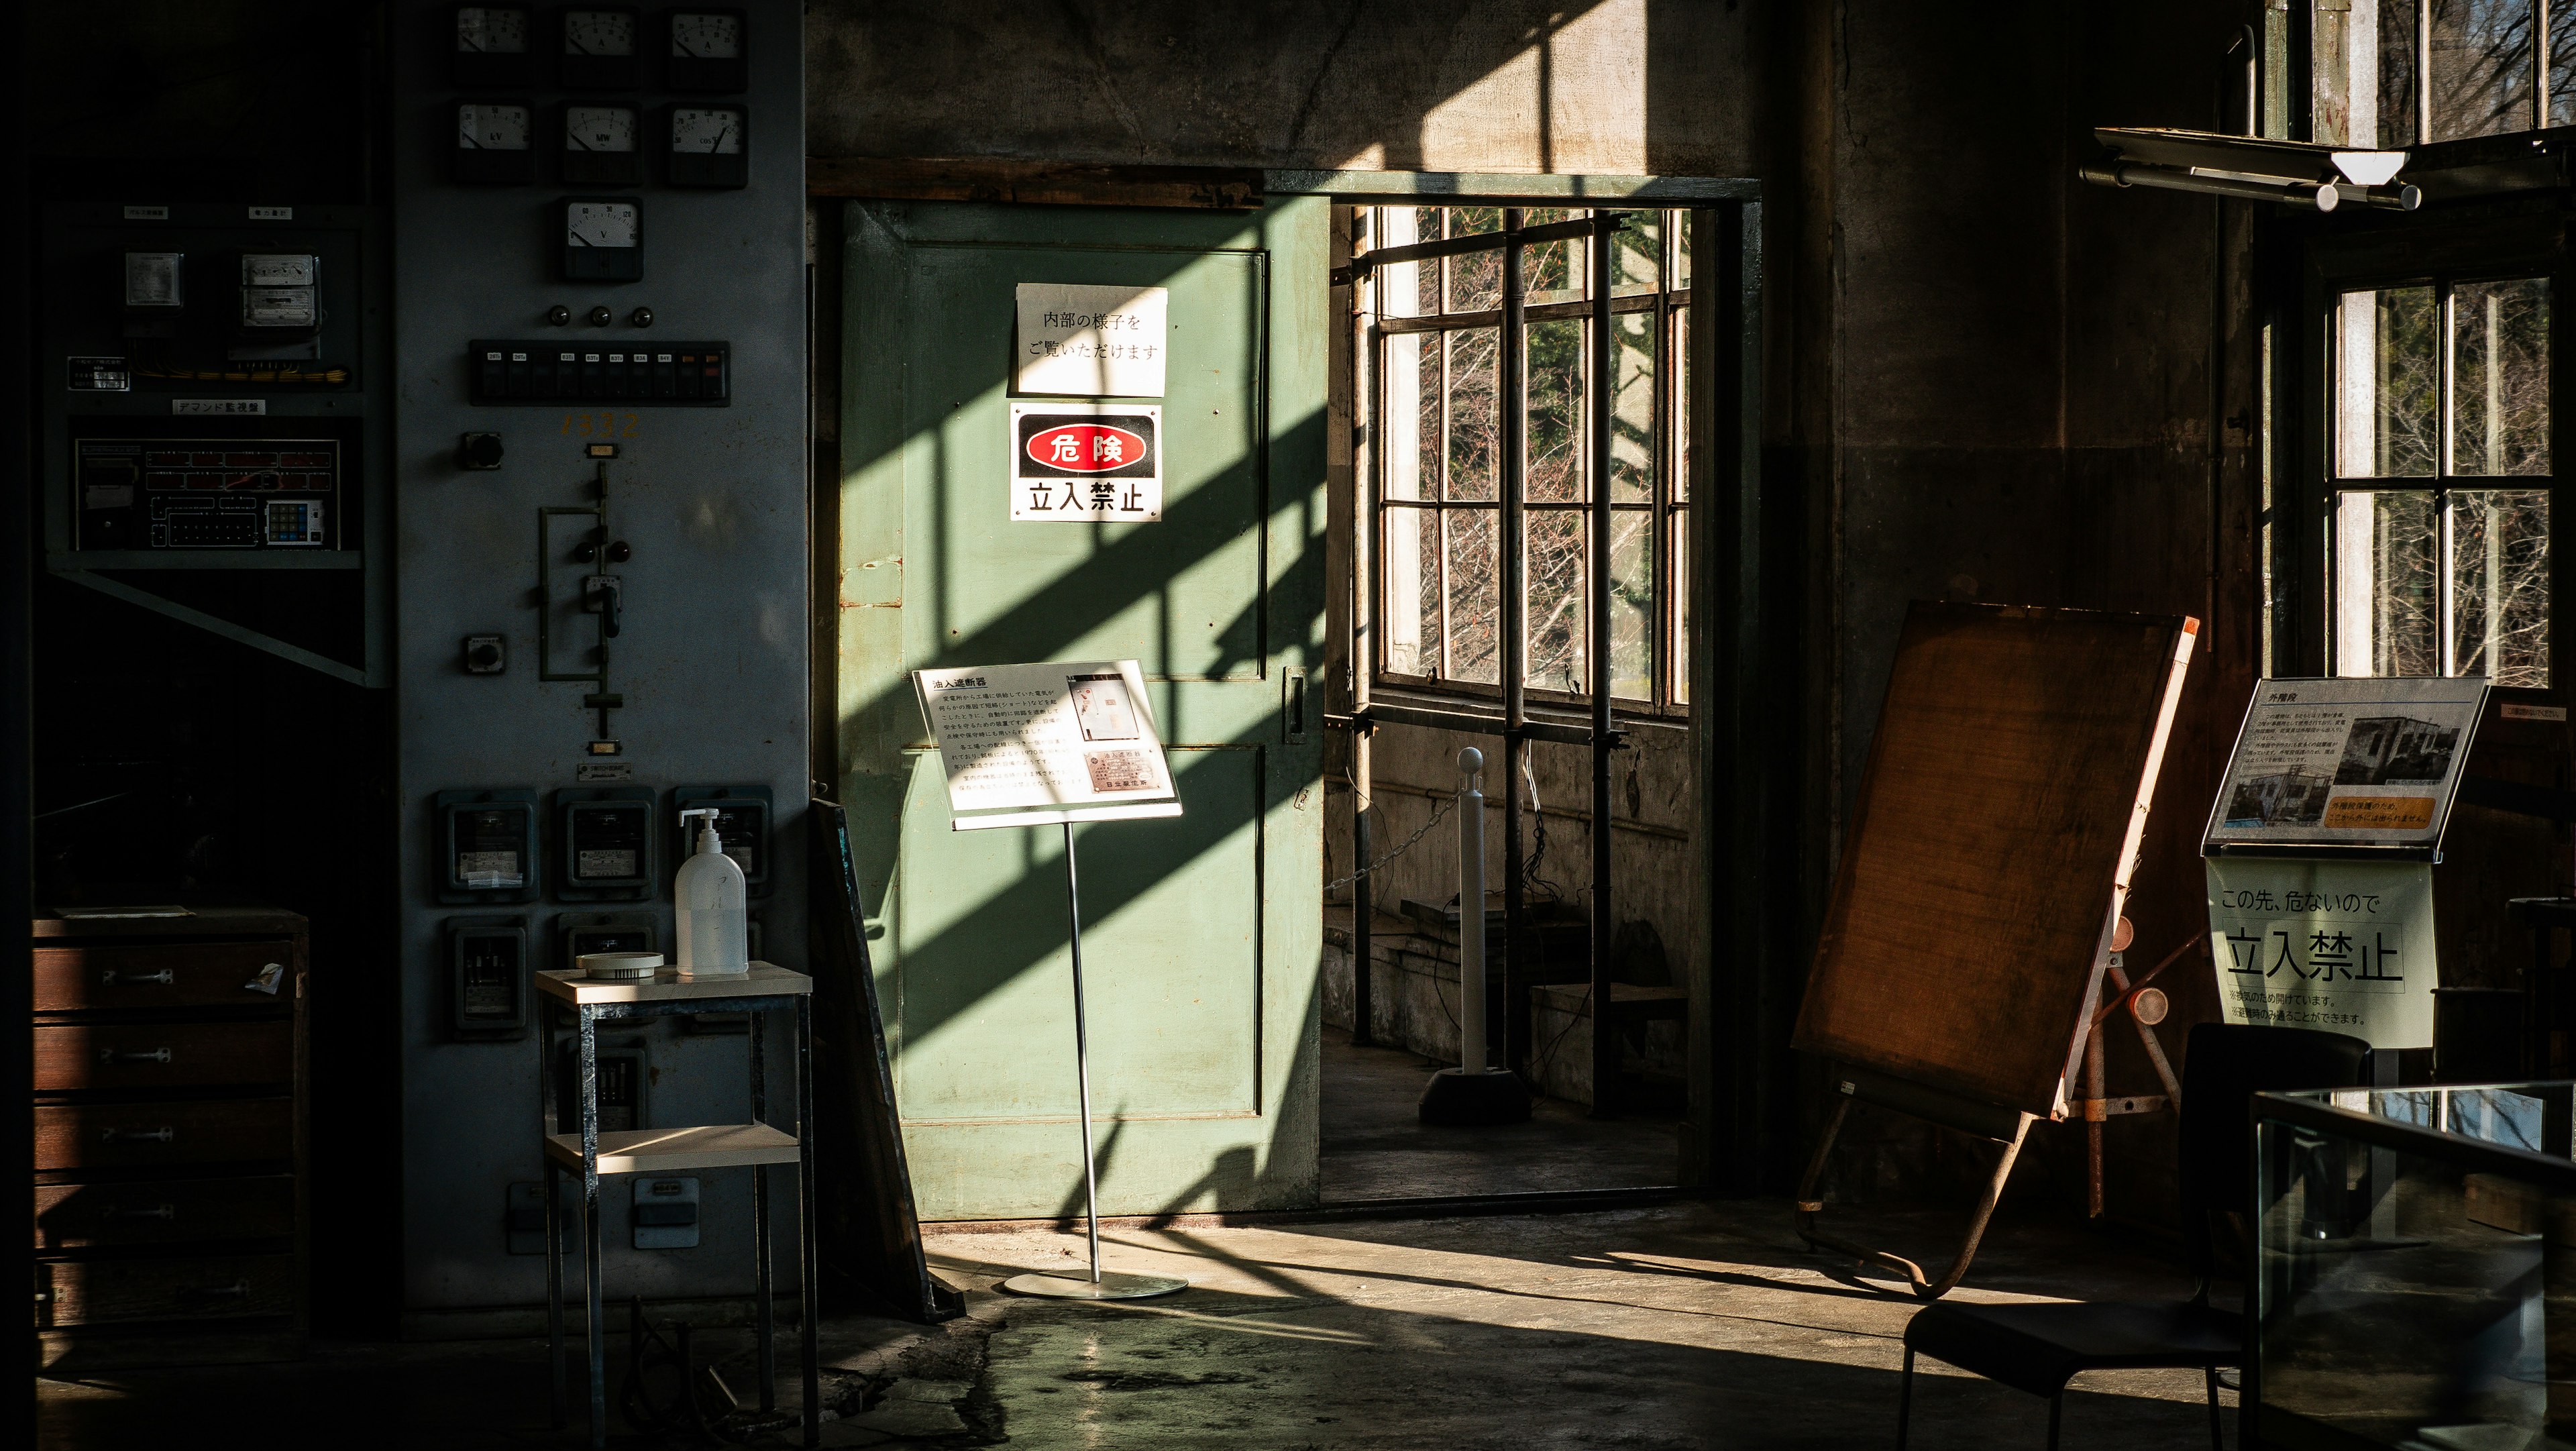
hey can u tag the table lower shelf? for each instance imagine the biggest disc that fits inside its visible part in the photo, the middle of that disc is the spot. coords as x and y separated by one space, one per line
662 1151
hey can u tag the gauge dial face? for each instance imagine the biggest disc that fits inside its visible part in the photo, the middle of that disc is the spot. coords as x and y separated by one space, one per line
706 131
492 29
492 128
706 36
599 224
599 32
599 128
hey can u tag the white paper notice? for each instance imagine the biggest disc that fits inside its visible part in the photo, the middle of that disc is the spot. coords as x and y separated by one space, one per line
1092 342
1035 738
2347 762
2339 945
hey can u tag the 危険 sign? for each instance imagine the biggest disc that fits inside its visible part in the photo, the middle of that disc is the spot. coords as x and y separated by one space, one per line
1091 342
1082 462
2339 945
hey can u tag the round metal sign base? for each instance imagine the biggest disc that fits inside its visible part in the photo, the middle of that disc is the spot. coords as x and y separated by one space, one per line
1111 1286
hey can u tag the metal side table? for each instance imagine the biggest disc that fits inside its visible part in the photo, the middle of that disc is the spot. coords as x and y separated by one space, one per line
590 1153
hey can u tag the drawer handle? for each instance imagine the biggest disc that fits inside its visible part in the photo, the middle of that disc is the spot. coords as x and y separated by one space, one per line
161 1135
238 1289
150 1211
164 978
133 1055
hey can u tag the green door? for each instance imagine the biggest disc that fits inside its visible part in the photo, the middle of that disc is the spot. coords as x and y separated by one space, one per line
1202 935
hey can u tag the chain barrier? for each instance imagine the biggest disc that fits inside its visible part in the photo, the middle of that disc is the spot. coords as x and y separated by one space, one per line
1446 804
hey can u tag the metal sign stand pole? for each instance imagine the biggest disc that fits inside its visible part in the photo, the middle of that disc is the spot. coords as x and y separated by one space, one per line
1101 1285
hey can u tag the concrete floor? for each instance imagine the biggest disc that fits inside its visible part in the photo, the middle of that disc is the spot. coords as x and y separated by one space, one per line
1693 1325
1375 1148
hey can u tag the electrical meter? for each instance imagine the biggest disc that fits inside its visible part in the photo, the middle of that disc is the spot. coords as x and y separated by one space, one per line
707 146
487 974
580 932
487 845
601 239
493 144
599 48
710 50
606 837
492 46
742 825
622 1076
601 146
281 315
155 293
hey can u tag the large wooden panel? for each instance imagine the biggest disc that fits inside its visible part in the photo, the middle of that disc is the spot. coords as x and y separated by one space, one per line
163 1211
74 1136
124 976
219 1287
1998 823
75 1056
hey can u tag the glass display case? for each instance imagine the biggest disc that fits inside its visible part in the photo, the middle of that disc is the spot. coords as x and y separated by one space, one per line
2415 1283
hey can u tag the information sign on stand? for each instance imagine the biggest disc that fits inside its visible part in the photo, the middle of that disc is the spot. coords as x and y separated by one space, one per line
2320 852
1052 745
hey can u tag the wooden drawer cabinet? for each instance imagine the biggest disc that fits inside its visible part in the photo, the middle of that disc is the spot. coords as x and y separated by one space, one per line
162 1211
169 1116
125 1291
129 976
158 1057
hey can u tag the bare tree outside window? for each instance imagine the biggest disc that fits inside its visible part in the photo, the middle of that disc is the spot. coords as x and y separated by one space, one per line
2441 566
1437 338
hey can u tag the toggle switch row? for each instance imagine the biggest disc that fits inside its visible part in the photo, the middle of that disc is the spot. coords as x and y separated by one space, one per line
549 372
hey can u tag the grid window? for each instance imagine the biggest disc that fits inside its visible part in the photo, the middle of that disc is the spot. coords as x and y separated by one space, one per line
2442 481
1436 339
2398 73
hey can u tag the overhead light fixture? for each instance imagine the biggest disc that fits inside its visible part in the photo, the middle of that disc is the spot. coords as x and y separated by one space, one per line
2295 173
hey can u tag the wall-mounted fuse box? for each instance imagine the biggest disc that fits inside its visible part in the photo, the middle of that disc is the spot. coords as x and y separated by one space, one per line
622 1076
486 844
580 932
487 974
743 822
665 1215
605 843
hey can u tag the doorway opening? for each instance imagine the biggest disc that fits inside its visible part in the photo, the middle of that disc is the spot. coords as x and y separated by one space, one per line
1513 546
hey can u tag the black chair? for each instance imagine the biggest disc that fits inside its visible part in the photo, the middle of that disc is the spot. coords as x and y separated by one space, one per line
2038 1348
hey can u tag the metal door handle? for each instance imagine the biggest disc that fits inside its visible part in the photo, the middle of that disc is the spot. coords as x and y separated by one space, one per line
156 1211
164 978
161 1135
133 1055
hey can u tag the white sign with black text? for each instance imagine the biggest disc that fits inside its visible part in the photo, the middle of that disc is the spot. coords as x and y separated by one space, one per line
1091 342
1077 463
1028 744
2343 946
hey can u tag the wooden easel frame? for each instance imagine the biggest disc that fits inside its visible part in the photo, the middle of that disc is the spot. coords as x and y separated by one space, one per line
2008 1127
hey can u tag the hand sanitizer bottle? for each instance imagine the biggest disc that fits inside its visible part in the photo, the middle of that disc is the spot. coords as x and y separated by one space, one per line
708 904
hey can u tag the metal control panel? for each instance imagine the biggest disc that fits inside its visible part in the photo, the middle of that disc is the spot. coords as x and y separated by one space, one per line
601 463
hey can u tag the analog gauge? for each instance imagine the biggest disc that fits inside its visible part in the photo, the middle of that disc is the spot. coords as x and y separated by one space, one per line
708 146
492 143
599 32
706 131
492 128
706 35
599 146
599 128
600 224
492 29
492 50
708 50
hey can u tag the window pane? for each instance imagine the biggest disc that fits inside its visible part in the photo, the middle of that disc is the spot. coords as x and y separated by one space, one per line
1412 434
2481 67
1475 279
1553 625
1412 610
1636 254
1632 408
2562 64
2500 584
2384 582
1474 612
2500 377
1681 404
1408 289
1475 412
1555 373
2396 60
2386 393
1682 250
1632 604
1551 271
1681 606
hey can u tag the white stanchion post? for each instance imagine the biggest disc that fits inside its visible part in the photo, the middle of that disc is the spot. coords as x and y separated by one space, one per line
1471 912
